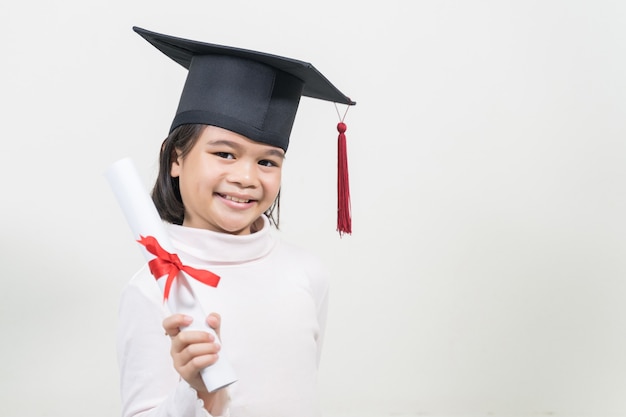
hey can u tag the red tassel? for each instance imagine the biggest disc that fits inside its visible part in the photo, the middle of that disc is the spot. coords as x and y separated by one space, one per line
344 220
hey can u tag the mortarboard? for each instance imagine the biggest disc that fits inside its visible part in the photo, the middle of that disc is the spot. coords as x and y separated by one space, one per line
252 93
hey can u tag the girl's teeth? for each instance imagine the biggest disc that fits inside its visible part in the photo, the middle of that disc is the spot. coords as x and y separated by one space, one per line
235 199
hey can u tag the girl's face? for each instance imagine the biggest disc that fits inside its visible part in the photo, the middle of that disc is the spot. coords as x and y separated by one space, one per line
227 181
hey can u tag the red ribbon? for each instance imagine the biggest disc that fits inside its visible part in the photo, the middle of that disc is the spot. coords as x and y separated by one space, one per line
169 264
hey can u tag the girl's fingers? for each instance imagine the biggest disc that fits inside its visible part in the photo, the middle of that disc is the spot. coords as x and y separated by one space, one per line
173 323
197 353
192 350
190 358
215 321
188 338
197 363
190 343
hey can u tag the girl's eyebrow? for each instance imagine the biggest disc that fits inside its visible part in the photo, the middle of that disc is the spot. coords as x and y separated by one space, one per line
270 151
223 142
276 153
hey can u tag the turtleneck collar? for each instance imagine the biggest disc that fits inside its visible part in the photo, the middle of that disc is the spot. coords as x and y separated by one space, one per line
222 248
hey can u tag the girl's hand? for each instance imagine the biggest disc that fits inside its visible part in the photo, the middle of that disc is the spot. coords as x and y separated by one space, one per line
193 350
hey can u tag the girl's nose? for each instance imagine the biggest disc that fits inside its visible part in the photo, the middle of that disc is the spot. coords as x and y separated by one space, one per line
243 173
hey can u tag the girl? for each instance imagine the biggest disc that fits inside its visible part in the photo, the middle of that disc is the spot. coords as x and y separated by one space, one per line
218 189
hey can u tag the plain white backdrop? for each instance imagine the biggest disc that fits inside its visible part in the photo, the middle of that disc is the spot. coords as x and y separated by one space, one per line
486 272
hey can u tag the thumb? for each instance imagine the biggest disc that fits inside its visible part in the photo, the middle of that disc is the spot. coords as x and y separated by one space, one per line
214 320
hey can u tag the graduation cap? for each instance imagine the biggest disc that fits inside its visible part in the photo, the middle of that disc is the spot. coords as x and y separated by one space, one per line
252 93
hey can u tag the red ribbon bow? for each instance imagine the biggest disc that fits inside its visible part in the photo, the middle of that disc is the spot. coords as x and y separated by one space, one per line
169 264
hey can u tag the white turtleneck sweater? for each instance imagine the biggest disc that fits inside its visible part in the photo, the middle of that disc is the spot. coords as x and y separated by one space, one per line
272 298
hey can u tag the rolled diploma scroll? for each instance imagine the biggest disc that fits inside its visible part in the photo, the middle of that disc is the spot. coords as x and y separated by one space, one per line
144 220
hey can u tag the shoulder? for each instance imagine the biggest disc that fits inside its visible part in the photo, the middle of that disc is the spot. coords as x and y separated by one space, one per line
142 289
297 255
302 261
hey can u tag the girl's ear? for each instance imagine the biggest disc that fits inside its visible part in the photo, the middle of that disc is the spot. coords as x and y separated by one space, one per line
175 165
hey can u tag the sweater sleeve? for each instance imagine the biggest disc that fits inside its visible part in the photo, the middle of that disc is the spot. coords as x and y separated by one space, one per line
149 384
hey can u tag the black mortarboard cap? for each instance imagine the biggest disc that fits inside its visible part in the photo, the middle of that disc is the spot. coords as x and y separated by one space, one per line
252 93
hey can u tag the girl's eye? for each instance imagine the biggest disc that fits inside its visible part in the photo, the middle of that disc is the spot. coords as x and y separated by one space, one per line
224 155
268 163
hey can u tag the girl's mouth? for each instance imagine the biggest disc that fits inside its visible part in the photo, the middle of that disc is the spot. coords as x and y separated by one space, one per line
235 199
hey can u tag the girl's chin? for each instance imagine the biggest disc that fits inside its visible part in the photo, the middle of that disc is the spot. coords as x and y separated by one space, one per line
237 228
237 224
233 228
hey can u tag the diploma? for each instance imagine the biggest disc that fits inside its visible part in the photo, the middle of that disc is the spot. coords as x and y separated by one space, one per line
170 274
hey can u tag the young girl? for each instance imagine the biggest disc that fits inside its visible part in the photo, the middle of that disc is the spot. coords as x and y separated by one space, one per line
218 188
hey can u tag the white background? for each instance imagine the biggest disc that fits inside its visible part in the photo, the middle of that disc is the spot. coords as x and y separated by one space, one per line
485 274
